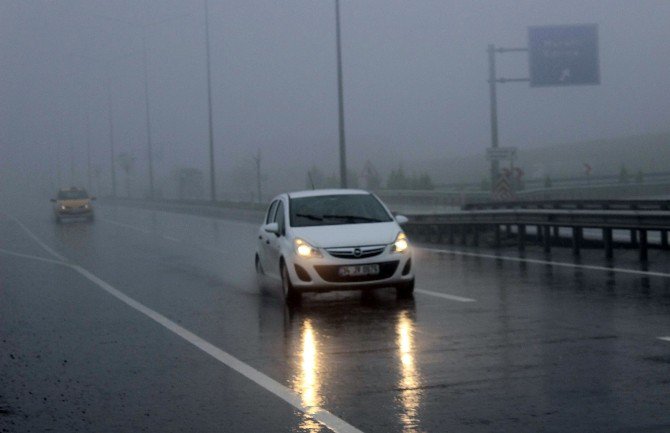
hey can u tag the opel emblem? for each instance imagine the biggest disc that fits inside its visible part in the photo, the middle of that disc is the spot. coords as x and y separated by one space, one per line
357 252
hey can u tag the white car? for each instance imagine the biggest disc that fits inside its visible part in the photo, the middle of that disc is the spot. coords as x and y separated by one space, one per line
335 239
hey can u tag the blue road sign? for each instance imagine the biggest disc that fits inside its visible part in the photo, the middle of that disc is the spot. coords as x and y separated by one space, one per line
563 55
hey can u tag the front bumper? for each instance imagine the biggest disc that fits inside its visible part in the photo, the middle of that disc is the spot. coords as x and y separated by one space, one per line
321 274
74 212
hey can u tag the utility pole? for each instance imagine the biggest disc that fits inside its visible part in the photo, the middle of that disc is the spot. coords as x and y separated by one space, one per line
340 99
148 117
495 169
111 135
212 173
88 153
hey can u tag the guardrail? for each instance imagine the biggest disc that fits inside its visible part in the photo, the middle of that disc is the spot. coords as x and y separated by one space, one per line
574 204
477 220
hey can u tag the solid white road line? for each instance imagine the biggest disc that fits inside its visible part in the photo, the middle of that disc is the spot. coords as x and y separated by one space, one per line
36 239
28 256
294 399
288 395
444 296
547 262
664 338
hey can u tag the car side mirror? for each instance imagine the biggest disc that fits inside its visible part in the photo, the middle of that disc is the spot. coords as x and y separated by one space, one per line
401 219
272 228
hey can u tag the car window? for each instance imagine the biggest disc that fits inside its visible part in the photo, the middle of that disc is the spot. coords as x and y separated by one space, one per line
271 212
72 194
279 218
337 209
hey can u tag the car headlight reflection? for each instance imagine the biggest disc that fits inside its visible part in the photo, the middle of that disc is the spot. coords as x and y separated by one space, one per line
303 249
400 245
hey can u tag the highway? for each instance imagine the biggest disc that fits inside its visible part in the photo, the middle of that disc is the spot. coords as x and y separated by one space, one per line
147 320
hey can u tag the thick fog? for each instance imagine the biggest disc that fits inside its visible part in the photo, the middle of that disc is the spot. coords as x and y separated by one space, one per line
414 81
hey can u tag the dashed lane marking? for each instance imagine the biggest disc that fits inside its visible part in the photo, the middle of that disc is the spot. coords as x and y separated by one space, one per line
445 296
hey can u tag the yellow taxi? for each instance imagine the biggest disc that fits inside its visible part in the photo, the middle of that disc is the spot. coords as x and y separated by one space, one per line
73 203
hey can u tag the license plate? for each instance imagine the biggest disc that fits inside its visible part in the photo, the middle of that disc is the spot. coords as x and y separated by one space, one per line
358 270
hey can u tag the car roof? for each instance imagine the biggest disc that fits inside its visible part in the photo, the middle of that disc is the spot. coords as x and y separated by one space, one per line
322 192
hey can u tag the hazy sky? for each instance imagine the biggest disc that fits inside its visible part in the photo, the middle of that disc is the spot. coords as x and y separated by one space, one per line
414 81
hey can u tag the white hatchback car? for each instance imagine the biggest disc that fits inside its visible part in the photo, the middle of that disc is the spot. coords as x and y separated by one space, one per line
335 239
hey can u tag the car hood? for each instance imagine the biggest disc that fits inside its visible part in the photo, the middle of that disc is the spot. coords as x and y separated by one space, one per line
74 203
348 235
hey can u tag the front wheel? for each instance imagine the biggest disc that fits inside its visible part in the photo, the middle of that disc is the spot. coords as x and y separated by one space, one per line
405 289
291 295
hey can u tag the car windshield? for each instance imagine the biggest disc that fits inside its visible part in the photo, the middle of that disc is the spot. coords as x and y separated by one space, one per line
72 194
337 209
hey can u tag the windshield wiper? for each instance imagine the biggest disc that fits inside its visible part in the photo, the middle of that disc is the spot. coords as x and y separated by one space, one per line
353 217
309 217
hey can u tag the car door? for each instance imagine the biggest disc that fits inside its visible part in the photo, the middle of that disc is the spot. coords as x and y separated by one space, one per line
264 237
275 241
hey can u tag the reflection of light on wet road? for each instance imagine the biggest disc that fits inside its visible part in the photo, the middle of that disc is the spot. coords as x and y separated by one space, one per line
307 381
410 397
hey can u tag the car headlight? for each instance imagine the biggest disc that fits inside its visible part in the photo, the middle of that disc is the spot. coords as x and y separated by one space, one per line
303 249
62 207
87 206
400 245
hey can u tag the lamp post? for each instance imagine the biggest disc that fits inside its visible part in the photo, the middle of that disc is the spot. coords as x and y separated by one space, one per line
212 172
340 99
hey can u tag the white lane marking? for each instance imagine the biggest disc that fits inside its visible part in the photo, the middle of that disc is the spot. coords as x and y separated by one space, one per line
664 338
445 296
125 225
36 239
294 399
547 262
28 256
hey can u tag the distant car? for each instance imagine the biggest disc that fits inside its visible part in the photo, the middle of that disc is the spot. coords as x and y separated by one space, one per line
73 203
338 239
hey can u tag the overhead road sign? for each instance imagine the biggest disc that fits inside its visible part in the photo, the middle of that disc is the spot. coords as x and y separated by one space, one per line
499 153
563 55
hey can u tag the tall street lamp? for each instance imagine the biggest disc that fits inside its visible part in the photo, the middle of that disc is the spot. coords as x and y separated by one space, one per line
212 172
340 99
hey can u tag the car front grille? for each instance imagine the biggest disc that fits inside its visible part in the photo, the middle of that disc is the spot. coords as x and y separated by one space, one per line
356 252
331 274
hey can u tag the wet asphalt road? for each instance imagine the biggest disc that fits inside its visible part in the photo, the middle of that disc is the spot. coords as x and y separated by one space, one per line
152 321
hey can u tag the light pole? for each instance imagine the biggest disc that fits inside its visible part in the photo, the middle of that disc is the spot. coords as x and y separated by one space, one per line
111 134
340 99
148 116
212 173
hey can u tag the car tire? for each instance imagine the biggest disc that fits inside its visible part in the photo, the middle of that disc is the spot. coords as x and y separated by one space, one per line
405 289
291 295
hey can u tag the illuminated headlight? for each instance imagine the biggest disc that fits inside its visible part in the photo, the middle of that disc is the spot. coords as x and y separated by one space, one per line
303 249
62 207
400 245
87 206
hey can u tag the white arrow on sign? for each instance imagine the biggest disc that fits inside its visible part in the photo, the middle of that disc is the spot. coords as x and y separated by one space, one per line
564 75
